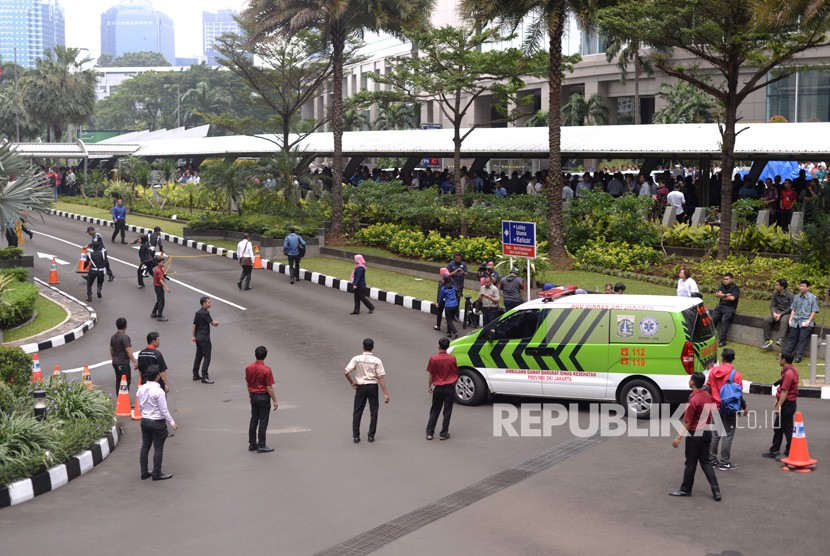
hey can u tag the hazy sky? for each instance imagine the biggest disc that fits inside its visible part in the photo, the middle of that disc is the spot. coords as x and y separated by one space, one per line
83 21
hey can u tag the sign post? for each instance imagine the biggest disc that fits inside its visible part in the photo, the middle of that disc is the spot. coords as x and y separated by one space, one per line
518 239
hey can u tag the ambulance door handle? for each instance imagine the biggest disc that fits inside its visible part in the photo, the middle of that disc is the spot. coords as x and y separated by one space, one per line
535 351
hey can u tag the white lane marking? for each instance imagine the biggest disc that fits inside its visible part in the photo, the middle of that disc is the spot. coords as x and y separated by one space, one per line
48 256
95 366
131 265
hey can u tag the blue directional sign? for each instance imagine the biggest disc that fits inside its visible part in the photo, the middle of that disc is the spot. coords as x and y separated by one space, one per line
518 238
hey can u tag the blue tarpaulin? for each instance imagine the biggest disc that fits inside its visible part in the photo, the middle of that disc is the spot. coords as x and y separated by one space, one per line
784 168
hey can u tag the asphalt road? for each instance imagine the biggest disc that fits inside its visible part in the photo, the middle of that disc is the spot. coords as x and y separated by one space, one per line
319 489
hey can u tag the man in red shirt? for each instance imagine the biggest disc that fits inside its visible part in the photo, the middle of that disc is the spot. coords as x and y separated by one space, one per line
160 287
718 376
786 200
785 406
443 374
260 389
696 421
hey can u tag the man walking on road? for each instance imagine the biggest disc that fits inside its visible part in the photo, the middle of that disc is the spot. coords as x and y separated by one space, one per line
443 374
260 389
154 419
119 216
202 322
698 438
785 407
368 372
160 287
98 240
245 255
718 377
121 352
151 356
293 246
95 270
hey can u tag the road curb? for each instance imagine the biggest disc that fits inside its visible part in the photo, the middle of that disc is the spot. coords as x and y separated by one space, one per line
393 298
70 336
59 475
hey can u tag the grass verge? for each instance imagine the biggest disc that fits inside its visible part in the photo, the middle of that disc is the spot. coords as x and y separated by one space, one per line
167 226
49 315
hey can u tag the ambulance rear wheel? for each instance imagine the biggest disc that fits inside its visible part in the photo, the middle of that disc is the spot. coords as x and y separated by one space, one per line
470 388
640 397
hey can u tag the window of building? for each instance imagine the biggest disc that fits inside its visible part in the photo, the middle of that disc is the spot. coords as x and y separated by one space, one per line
803 97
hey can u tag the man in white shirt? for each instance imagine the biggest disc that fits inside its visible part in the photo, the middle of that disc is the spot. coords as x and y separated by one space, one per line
531 186
154 419
368 372
676 199
245 255
489 295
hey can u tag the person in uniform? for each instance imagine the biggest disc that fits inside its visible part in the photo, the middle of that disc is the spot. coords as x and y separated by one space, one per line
260 382
364 373
202 322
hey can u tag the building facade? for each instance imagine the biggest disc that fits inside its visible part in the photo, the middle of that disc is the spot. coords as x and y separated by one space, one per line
214 25
28 28
134 26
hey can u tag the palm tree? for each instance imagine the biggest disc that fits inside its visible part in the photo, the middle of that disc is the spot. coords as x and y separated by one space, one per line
538 119
395 115
685 104
28 193
202 100
354 120
577 111
628 51
337 21
547 19
60 90
772 13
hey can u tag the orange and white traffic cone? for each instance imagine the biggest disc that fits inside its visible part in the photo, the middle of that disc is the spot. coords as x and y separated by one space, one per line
257 259
53 273
137 408
799 459
87 378
56 377
83 264
122 405
37 376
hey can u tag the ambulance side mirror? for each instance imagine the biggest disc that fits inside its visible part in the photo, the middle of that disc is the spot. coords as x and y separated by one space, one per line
491 334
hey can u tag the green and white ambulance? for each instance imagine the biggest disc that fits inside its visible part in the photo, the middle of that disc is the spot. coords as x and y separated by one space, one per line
638 350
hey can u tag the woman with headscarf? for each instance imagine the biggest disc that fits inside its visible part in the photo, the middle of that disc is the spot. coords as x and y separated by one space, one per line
442 273
359 288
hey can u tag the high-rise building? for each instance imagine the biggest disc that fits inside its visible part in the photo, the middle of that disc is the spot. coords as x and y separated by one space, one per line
28 28
214 25
134 26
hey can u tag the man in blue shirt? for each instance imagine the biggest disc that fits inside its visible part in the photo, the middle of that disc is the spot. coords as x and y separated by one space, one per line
119 216
291 246
802 320
458 271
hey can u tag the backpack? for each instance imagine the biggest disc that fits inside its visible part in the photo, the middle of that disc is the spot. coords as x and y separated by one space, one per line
730 396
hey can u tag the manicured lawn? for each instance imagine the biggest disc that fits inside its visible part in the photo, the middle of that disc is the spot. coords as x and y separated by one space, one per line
175 228
49 315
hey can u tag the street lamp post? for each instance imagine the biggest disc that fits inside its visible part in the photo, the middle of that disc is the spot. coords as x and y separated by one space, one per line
40 404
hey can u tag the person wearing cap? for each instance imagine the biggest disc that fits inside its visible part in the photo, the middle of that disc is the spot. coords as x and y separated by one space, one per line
291 248
160 287
512 286
98 240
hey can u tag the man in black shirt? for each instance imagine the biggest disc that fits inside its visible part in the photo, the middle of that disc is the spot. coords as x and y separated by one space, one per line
98 240
121 351
202 322
728 294
152 356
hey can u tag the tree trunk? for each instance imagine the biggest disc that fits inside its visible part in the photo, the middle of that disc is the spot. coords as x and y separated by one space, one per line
637 70
338 47
728 165
553 189
459 194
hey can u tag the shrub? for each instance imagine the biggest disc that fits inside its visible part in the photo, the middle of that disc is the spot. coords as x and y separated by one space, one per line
262 224
598 214
10 253
618 255
684 235
26 445
15 366
17 304
72 401
16 273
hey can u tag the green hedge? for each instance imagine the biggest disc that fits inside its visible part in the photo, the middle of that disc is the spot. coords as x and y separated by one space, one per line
10 253
17 304
262 224
432 246
15 366
17 273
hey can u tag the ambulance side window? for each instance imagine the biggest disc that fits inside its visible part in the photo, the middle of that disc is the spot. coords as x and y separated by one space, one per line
518 326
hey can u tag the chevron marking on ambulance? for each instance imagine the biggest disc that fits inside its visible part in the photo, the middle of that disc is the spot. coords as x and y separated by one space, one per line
582 341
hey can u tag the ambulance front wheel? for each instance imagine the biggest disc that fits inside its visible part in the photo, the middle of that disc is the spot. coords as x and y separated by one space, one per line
640 397
470 388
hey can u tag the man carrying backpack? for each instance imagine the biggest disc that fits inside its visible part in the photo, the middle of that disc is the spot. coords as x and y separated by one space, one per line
726 385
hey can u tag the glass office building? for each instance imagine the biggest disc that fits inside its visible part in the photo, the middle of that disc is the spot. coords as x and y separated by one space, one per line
28 28
134 26
214 25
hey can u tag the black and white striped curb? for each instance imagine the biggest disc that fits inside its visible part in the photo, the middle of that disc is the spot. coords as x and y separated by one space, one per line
55 477
70 336
817 392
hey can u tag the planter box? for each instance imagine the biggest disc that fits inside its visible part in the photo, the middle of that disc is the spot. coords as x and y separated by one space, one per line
25 261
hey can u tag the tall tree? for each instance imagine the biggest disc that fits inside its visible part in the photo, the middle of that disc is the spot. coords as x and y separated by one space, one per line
578 110
202 100
60 90
355 119
27 192
773 13
627 51
336 20
395 115
731 57
685 104
143 59
547 19
455 67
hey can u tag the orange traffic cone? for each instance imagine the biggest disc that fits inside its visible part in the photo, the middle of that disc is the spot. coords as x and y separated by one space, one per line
37 376
257 259
122 405
137 408
799 459
53 273
87 378
83 264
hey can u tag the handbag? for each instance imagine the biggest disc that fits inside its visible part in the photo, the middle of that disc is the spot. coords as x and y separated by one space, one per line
301 247
246 261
